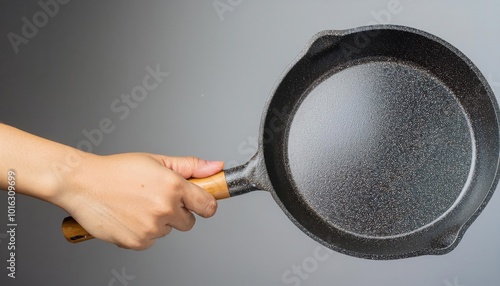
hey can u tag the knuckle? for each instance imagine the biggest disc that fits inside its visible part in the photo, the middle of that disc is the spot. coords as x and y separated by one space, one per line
136 244
168 212
120 244
151 231
177 185
145 244
160 208
191 162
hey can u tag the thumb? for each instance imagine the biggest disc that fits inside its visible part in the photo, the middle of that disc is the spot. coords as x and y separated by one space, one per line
192 166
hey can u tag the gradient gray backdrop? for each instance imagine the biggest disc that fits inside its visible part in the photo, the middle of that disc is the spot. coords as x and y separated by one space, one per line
221 72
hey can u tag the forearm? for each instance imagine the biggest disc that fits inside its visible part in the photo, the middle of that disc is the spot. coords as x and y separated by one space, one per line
40 164
128 199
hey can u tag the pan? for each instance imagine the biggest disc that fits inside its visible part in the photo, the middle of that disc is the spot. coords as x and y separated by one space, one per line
379 142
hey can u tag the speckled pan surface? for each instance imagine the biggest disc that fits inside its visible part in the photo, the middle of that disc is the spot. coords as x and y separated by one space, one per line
379 142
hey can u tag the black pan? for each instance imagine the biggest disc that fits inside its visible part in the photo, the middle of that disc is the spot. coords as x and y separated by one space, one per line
379 142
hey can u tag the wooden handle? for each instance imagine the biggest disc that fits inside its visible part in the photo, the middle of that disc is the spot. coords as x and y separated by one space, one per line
215 185
73 231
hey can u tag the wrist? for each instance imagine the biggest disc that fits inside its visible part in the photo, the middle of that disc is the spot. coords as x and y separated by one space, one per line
67 175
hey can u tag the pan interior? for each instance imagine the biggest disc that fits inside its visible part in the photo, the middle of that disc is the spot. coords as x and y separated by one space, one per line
380 149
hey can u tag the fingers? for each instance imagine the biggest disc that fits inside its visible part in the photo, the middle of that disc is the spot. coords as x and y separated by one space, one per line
199 201
195 198
136 244
183 220
192 166
182 198
142 243
134 199
181 201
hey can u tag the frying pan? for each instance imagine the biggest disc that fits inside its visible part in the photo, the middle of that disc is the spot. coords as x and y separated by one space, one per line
379 142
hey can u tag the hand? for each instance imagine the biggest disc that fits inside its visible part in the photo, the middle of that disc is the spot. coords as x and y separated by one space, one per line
132 199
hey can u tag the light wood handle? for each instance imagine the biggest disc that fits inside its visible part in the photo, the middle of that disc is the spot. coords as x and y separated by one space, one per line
215 185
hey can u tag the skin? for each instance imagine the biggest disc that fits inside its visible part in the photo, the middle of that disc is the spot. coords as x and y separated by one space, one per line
128 199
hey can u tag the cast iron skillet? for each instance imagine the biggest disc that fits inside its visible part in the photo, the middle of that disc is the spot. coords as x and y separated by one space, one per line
379 142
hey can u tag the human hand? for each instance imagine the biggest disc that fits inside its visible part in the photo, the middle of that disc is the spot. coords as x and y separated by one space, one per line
134 198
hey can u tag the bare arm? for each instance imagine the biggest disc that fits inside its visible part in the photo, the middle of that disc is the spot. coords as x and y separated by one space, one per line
127 199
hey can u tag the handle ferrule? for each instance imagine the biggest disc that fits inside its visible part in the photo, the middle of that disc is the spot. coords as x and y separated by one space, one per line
238 182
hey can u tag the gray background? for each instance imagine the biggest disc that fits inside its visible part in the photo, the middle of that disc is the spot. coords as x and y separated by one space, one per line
221 72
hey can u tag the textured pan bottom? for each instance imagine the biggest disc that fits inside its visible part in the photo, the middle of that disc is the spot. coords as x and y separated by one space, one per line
399 149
